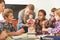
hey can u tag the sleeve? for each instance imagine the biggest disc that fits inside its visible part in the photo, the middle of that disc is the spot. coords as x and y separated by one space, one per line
1 27
20 23
54 30
25 29
51 24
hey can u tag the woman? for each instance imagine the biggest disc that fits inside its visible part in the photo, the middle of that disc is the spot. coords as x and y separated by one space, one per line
24 15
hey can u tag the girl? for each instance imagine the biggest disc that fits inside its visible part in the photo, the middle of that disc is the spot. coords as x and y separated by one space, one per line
40 22
57 23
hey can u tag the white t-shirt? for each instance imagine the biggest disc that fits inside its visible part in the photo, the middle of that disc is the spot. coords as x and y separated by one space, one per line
1 17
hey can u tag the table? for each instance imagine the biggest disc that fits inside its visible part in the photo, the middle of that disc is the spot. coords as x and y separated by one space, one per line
33 37
25 37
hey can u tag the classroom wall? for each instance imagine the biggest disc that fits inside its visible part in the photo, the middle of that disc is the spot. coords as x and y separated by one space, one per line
39 4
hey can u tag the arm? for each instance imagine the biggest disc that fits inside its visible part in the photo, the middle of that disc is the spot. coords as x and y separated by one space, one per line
51 24
54 30
20 19
3 35
19 32
20 16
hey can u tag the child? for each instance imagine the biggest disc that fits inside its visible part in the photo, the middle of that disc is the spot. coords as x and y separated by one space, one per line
7 24
57 23
52 18
8 16
39 21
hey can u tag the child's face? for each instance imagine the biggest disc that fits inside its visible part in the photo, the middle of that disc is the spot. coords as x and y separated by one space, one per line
57 17
40 16
52 16
10 17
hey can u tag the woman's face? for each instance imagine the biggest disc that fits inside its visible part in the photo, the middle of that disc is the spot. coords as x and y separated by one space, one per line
40 16
10 17
28 11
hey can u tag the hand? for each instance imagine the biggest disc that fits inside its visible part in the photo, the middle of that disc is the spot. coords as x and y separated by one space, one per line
26 25
49 30
45 22
3 35
52 19
44 29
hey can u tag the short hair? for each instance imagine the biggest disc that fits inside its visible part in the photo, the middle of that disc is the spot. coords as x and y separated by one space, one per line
58 12
53 9
30 6
6 12
43 11
2 1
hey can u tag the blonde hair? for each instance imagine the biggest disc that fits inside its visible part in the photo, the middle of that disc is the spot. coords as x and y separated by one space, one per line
58 12
30 6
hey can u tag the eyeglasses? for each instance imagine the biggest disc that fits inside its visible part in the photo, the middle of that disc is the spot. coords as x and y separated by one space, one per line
52 15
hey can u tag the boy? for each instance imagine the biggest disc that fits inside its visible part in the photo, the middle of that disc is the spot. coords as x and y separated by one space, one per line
7 25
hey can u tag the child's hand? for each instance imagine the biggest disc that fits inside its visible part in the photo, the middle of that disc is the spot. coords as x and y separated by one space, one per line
44 29
49 30
31 21
3 35
45 22
52 19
